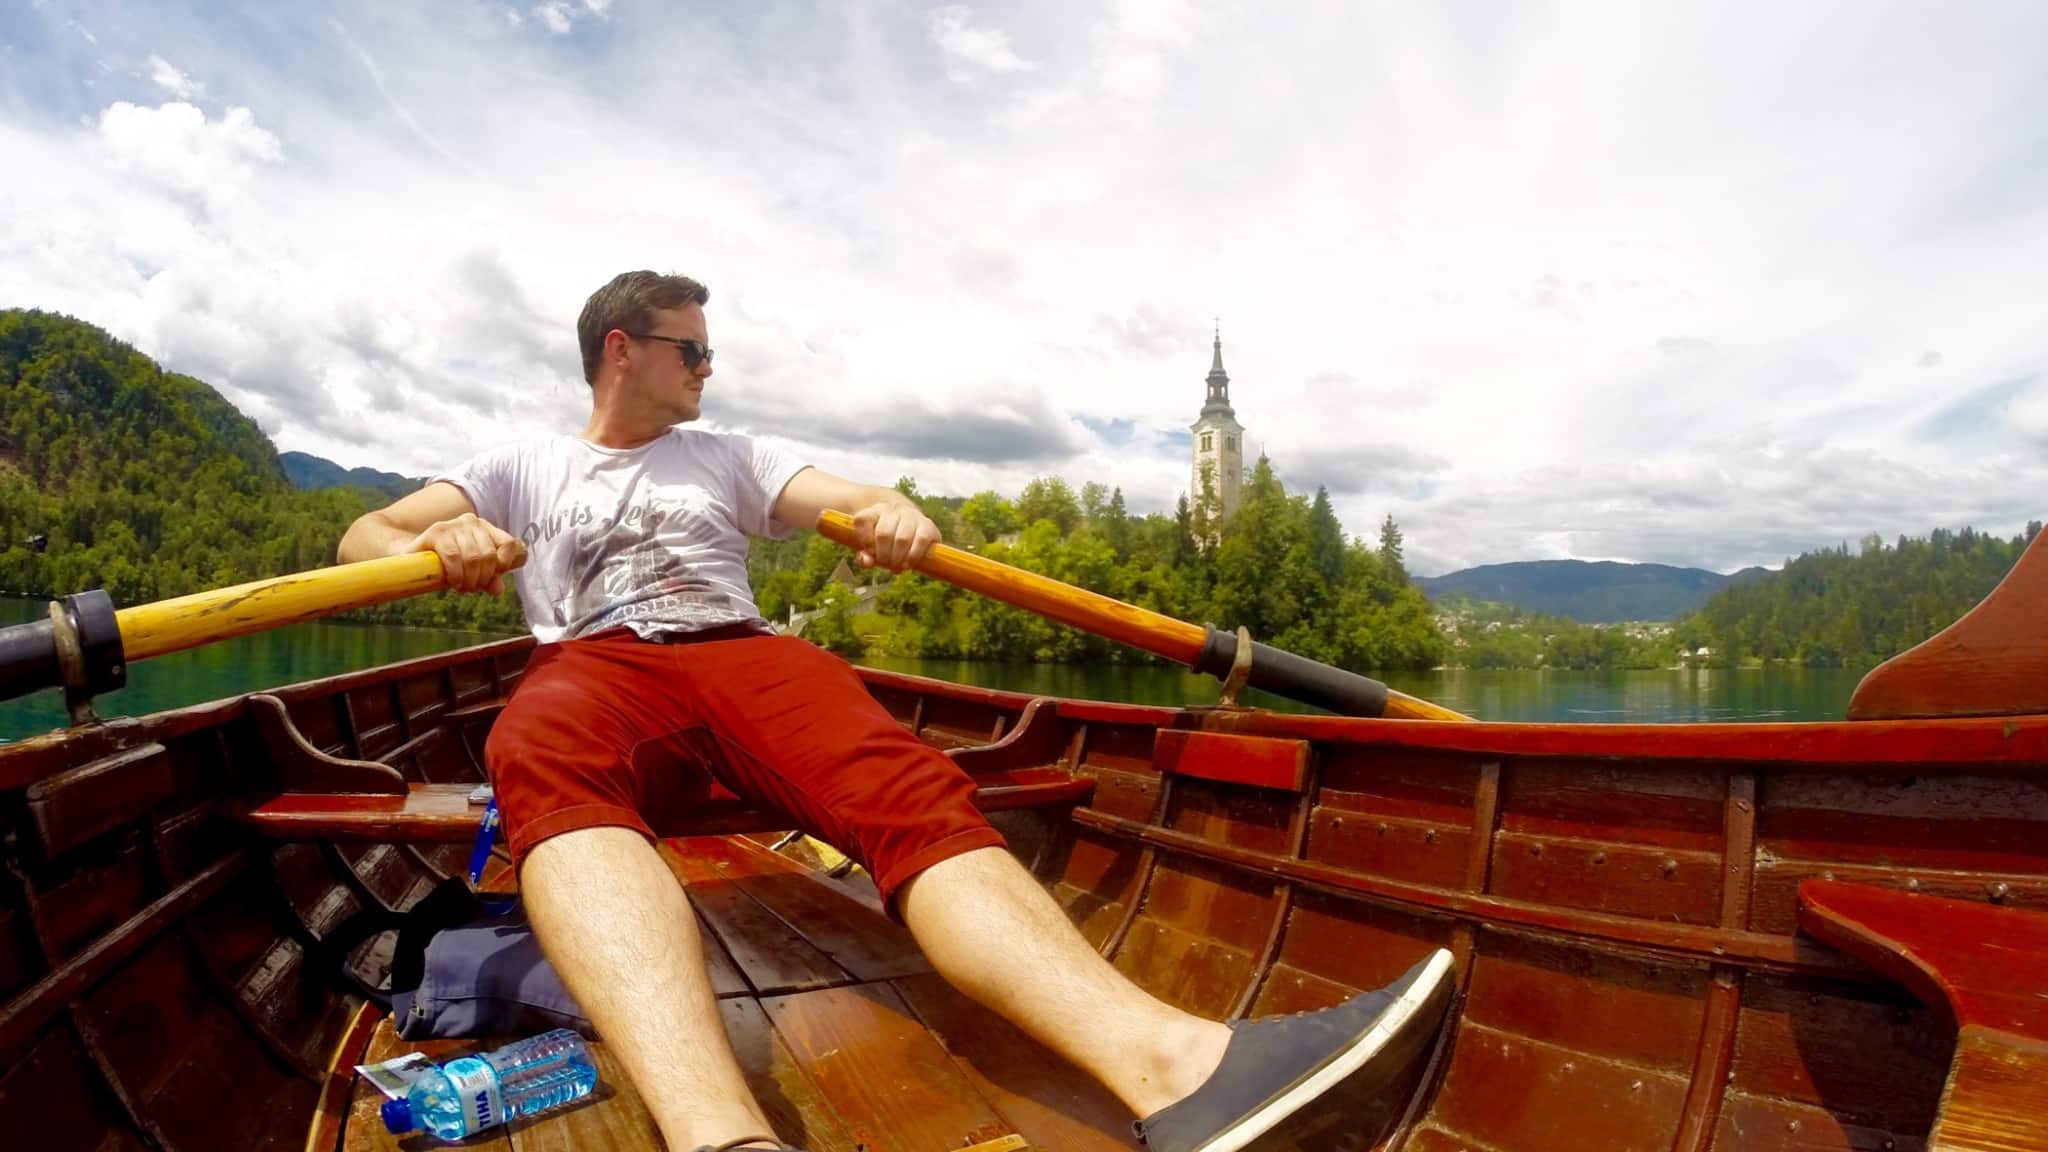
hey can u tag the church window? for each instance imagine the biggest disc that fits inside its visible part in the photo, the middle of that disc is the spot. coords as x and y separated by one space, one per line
1230 443
1207 441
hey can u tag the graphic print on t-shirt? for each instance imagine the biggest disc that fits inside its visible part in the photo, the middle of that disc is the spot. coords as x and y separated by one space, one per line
653 538
624 568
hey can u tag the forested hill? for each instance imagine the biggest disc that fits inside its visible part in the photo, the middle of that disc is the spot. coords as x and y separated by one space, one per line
1838 608
78 407
306 470
1601 592
115 473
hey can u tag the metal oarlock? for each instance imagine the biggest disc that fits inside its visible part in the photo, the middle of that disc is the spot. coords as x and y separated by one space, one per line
77 648
1240 669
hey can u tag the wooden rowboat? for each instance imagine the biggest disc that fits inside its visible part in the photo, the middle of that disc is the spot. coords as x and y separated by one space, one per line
1712 936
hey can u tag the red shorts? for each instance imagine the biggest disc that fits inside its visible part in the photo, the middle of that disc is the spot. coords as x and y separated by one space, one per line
614 730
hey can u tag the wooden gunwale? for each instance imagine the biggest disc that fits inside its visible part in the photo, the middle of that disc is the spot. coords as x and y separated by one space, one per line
26 761
398 670
2015 745
910 682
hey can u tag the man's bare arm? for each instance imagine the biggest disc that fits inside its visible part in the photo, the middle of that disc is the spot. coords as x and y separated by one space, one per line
894 532
475 554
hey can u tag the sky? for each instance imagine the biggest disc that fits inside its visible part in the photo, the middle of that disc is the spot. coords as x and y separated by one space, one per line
1706 284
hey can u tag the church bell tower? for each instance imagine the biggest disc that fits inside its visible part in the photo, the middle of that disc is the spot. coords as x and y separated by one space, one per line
1219 442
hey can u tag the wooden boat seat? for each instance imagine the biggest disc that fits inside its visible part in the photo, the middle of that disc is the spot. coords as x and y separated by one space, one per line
443 813
327 797
843 1032
1988 968
1992 662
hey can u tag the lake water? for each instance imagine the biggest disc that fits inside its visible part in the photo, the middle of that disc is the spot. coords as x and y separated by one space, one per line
1636 697
309 651
245 664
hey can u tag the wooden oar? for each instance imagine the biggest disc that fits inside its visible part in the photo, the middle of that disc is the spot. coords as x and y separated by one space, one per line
1201 648
86 645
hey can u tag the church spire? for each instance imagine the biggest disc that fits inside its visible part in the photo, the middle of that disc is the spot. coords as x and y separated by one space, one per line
1219 381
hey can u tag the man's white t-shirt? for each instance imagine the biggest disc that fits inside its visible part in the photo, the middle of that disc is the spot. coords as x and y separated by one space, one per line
653 538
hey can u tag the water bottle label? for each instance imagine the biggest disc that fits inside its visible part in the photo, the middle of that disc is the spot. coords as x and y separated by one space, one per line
477 1087
394 1077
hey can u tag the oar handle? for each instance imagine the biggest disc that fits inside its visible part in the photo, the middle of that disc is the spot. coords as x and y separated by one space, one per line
1203 649
86 646
1312 682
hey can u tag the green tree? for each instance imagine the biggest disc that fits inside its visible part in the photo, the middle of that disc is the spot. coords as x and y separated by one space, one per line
1326 538
989 515
1049 498
1390 548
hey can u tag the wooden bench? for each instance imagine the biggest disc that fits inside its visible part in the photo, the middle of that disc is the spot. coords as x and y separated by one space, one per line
327 797
443 814
1988 968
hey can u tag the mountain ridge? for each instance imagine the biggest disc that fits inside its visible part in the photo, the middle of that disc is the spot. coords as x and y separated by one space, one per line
1588 591
309 472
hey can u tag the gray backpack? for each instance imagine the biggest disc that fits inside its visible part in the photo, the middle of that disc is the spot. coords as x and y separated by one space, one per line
467 964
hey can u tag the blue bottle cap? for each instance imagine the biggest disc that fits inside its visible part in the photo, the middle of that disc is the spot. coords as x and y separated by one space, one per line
398 1116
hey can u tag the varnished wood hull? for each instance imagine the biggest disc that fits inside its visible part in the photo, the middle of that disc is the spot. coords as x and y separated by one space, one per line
1622 902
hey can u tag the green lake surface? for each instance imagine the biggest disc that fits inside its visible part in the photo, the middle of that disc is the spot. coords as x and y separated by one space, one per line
310 651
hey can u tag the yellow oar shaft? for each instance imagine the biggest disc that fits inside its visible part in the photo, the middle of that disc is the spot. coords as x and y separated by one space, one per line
204 617
1141 628
1052 599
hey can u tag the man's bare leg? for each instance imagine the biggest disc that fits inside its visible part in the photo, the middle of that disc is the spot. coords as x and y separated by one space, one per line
994 934
616 925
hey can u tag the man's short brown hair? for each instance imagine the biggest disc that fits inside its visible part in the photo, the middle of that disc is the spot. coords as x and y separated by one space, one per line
629 303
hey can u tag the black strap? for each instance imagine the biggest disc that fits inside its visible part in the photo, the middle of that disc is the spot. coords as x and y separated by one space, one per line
448 904
452 902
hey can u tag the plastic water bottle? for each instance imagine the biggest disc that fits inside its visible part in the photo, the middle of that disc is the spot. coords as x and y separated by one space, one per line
463 1097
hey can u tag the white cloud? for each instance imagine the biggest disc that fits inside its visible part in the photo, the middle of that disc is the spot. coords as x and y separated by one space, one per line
179 150
971 49
2029 414
1133 50
167 77
1630 284
557 15
560 16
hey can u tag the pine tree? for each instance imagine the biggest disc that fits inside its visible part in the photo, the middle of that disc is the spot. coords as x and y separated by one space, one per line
1390 549
1327 536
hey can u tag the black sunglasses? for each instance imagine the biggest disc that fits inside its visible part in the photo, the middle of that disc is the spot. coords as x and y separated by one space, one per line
695 352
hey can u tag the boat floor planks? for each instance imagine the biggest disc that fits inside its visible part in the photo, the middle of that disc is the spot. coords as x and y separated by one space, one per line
1051 1105
848 1039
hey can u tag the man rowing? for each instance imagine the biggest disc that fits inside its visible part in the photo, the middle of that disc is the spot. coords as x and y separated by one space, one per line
655 677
